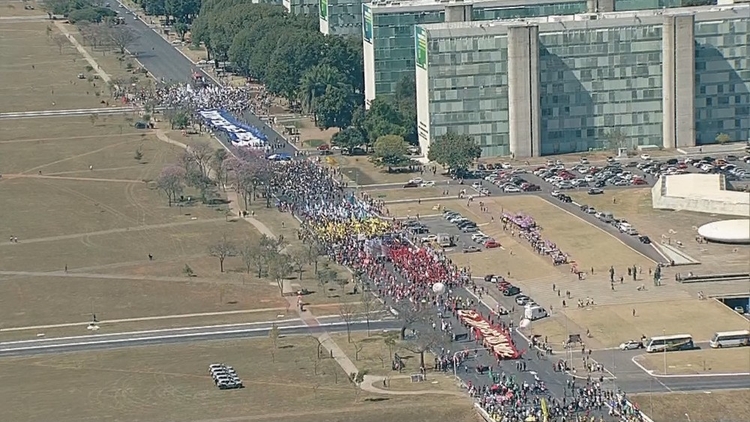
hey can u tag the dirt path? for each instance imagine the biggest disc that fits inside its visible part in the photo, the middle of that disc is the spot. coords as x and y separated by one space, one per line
80 179
102 74
112 231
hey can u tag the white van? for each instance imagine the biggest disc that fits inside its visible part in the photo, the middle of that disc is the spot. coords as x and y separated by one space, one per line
534 312
730 339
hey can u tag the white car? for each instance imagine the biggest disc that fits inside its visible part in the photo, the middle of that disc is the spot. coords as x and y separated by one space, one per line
418 180
631 345
428 184
511 189
645 157
477 235
476 185
430 238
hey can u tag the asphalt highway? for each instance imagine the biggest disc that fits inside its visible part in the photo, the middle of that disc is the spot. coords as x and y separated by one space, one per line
180 335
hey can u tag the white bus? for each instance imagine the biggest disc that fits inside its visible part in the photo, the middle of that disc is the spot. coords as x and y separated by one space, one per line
731 339
670 343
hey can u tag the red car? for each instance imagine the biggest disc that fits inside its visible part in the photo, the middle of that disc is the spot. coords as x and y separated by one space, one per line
491 244
639 182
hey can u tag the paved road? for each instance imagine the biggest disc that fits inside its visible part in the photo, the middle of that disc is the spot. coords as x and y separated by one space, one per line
156 54
180 335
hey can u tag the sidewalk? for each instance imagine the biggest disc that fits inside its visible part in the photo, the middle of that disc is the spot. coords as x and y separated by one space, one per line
102 74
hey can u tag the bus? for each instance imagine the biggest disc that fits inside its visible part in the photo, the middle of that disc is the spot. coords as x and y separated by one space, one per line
730 339
670 343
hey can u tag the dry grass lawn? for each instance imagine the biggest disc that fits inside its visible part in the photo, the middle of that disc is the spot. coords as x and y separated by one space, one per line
360 169
37 75
414 194
696 362
610 325
523 265
14 8
704 406
171 383
586 244
374 354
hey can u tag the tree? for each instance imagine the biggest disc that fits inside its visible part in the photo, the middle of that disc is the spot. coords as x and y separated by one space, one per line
348 139
171 181
223 249
390 342
390 151
383 118
356 379
180 119
181 29
138 154
335 107
314 83
61 41
216 165
298 258
369 304
279 268
252 256
426 341
410 316
314 251
723 138
615 140
122 37
201 154
347 311
93 117
455 151
326 275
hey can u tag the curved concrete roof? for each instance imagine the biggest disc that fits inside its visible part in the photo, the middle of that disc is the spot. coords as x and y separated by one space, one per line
727 231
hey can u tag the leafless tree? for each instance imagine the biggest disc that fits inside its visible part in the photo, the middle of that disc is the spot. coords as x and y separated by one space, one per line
369 304
358 346
410 315
61 41
279 269
171 181
223 249
252 256
121 37
298 258
424 342
202 154
347 312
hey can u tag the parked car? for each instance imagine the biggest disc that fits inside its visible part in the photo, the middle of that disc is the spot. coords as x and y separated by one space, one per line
490 244
471 249
411 185
522 300
595 191
645 240
631 345
511 291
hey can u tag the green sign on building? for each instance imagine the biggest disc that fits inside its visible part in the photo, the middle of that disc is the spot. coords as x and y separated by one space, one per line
367 23
420 39
323 6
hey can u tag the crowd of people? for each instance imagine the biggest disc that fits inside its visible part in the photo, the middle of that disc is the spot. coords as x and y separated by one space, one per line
235 99
352 232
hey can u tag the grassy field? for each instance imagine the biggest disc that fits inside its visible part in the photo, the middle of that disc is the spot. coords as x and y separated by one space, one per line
360 170
704 406
581 240
372 353
39 75
698 362
610 325
171 383
407 193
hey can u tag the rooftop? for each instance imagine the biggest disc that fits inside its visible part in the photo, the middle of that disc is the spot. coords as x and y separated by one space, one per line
587 20
405 6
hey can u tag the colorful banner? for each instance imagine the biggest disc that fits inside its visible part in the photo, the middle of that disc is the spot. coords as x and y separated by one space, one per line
367 23
323 8
496 339
420 39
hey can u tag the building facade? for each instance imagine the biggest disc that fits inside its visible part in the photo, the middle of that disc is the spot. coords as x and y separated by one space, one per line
388 29
563 84
340 17
301 7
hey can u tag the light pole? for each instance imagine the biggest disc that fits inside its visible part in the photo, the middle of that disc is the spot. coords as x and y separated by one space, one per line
665 353
688 416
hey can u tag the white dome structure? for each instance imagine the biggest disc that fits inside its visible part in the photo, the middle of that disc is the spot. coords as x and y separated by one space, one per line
727 231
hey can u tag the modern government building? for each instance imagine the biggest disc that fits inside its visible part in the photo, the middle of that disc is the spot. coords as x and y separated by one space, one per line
561 84
538 77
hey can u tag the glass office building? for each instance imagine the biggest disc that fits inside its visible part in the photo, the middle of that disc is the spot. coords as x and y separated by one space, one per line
340 17
301 7
388 30
565 84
